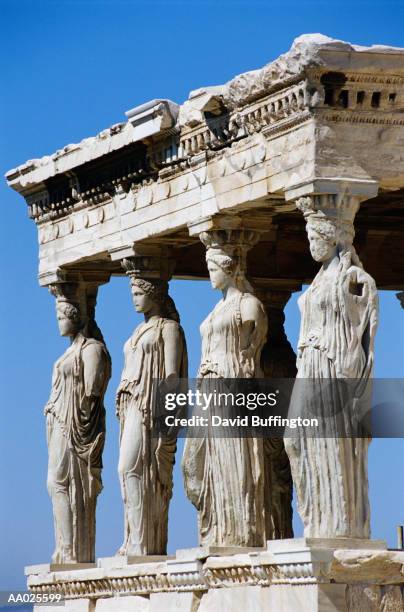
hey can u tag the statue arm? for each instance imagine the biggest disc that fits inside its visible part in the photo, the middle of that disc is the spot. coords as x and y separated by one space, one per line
125 382
363 292
369 333
252 318
95 369
173 348
95 374
253 329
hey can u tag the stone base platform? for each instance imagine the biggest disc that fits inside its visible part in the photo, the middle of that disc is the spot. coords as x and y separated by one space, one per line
305 575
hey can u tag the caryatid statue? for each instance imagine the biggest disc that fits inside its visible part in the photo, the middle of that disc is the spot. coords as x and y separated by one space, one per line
224 476
156 352
75 416
339 319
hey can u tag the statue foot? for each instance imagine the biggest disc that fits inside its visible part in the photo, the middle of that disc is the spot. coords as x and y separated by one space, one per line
63 555
134 551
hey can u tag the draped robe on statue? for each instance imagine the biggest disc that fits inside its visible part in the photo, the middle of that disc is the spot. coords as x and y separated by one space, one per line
76 434
339 318
224 476
146 461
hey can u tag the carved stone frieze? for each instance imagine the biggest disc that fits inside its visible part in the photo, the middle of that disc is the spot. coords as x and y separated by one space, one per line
315 80
217 572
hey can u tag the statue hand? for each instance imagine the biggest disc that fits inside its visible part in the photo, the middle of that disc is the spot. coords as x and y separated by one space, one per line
47 408
119 398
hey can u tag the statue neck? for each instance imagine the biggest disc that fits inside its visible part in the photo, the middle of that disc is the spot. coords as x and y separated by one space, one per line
229 292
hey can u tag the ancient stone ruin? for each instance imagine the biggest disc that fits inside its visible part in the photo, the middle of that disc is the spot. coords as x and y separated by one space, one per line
240 183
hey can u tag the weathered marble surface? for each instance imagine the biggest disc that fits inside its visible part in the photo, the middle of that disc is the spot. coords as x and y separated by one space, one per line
339 320
75 418
289 129
224 476
324 122
312 575
156 351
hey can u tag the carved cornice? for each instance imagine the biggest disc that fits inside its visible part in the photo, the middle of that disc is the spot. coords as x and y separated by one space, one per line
350 116
358 99
362 77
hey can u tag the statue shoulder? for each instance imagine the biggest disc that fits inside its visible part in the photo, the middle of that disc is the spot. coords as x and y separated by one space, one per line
95 349
171 327
360 282
251 307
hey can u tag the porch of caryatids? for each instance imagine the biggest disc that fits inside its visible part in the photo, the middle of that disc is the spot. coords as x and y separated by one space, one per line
155 354
224 476
339 314
75 417
278 360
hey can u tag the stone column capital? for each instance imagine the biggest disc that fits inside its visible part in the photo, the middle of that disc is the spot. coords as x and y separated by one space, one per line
77 276
229 236
149 267
215 222
148 261
362 189
253 222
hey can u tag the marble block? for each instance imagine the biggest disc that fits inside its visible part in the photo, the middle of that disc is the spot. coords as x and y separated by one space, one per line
303 574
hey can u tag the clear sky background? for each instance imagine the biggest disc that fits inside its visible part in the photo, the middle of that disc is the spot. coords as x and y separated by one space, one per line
70 69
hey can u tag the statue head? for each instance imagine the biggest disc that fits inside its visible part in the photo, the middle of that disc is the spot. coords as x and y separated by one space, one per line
151 297
71 310
221 269
322 236
226 257
328 237
68 317
75 309
147 295
330 228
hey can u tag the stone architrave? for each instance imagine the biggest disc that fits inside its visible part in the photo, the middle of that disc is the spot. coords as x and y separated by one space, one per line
156 351
224 477
278 360
339 320
75 417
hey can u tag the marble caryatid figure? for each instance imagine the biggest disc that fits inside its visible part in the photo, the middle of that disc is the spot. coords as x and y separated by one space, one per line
339 319
156 351
75 416
224 476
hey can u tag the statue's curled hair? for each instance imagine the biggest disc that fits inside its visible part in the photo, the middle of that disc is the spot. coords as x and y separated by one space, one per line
158 292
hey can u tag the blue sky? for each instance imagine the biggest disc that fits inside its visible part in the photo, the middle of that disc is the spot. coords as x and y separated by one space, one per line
70 69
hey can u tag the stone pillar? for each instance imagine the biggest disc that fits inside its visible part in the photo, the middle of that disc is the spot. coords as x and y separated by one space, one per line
278 360
339 320
224 476
155 360
75 417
